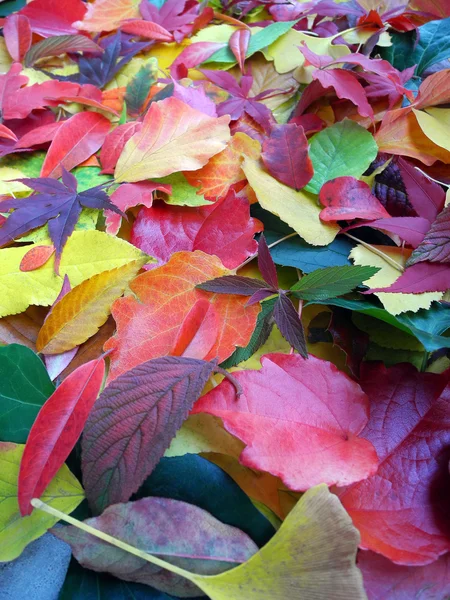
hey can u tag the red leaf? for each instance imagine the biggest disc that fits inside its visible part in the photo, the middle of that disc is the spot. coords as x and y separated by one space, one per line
192 56
426 197
198 332
75 141
39 135
17 34
238 43
63 14
115 143
129 195
347 198
434 90
285 155
384 580
133 422
420 278
224 229
146 29
402 510
36 257
6 133
300 420
435 246
56 430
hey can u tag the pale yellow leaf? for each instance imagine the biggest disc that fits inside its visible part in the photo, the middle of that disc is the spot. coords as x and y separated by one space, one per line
174 137
300 209
435 123
10 187
395 303
85 254
83 310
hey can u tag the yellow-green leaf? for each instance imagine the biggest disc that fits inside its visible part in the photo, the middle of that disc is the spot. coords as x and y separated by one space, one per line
64 493
83 310
300 209
85 254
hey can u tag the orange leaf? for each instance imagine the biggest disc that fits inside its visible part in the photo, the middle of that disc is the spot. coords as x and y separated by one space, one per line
224 169
107 15
173 137
198 332
401 134
36 257
148 325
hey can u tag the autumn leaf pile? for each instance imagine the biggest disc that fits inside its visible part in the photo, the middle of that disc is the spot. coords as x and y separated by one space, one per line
225 297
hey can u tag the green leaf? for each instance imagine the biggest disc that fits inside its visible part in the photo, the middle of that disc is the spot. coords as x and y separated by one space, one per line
261 39
433 45
24 387
400 52
64 493
345 148
139 87
183 194
331 282
262 331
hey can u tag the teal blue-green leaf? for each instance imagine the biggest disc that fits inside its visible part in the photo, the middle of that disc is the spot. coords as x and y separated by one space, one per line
262 331
433 45
344 149
261 39
11 6
331 282
24 387
193 479
400 52
138 88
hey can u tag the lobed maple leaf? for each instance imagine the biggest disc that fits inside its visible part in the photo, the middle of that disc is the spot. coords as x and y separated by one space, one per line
58 204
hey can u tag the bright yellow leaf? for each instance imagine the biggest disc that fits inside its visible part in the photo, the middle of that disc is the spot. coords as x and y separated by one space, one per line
435 123
16 532
300 210
83 310
85 254
174 137
395 303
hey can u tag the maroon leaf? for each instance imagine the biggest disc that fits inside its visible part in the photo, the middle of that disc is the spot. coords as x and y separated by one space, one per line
384 580
347 198
133 423
39 135
289 324
420 278
410 229
426 197
266 264
56 430
233 284
180 533
285 155
435 246
402 510
349 338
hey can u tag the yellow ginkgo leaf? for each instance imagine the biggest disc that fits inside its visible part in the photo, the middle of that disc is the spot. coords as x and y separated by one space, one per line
85 254
300 209
64 493
83 310
435 123
395 303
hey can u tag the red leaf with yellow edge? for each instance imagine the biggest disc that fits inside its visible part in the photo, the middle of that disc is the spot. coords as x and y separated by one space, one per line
56 430
224 229
74 142
36 257
148 324
224 169
347 198
402 510
300 419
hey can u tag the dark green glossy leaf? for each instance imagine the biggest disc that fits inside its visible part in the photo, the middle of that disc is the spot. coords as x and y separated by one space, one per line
331 282
24 387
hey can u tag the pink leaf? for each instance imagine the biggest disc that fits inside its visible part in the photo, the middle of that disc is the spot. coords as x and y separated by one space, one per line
238 43
115 143
146 29
420 278
17 34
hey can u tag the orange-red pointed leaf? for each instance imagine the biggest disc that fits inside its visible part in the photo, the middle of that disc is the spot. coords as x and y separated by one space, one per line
36 257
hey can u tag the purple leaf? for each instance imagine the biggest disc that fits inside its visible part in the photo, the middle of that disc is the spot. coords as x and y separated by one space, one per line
410 229
233 284
180 533
266 264
289 324
420 278
133 422
259 296
390 189
435 247
427 197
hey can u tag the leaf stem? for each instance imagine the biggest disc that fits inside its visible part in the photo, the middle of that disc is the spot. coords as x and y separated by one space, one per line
231 379
36 503
380 253
253 256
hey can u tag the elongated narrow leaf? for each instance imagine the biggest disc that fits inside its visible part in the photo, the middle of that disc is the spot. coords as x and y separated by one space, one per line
59 44
139 87
233 284
176 531
290 324
56 430
331 282
266 264
133 422
83 310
